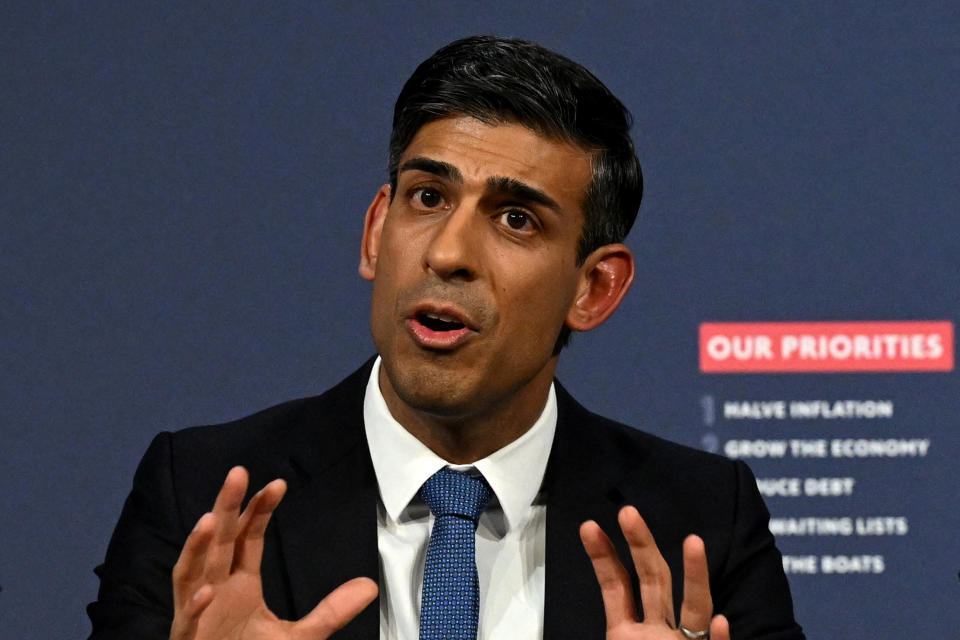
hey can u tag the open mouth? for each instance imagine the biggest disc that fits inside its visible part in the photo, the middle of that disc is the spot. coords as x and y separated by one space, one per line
439 322
440 330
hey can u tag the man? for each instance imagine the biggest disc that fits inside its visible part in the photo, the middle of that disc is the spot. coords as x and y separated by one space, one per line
513 181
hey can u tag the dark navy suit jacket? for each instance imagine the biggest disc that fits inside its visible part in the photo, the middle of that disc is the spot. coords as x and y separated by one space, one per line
325 530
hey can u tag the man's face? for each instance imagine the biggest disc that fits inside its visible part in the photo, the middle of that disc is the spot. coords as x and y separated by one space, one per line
474 266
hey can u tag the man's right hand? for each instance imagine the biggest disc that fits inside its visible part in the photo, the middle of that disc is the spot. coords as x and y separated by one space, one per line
217 592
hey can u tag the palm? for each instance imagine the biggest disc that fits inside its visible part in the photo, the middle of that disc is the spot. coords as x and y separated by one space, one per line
238 612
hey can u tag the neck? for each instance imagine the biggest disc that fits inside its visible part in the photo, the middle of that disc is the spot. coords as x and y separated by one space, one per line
463 435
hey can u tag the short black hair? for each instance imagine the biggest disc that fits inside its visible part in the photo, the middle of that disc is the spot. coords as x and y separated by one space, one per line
498 80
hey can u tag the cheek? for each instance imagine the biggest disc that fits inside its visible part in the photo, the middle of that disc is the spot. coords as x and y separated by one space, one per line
383 303
541 306
392 262
379 316
402 249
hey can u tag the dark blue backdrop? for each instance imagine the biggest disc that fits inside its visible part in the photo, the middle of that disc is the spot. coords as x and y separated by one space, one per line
182 187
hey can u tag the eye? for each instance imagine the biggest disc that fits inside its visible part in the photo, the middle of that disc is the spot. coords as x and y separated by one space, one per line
518 220
426 198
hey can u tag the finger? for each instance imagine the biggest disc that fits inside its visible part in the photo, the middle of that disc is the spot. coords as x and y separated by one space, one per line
186 619
697 604
655 582
719 628
253 526
337 609
226 510
615 589
188 571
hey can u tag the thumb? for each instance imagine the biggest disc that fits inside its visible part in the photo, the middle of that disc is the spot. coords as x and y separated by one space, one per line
337 609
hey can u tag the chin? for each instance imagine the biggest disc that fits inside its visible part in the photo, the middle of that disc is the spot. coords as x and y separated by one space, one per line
430 387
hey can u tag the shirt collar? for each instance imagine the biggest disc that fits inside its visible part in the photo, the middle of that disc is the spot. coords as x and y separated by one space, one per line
402 463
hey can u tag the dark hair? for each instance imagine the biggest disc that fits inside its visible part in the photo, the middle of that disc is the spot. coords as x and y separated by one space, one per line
505 80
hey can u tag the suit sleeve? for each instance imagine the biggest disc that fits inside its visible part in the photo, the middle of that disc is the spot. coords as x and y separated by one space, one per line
753 591
135 599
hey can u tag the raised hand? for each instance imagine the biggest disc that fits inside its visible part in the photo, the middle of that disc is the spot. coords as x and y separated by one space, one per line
217 592
656 595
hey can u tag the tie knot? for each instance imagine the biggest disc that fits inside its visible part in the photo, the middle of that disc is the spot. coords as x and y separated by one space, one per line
449 492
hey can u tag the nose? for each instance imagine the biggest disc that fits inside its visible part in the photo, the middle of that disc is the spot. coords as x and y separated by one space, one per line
453 248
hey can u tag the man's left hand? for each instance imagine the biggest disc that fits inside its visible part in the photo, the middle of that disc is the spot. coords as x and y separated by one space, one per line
656 586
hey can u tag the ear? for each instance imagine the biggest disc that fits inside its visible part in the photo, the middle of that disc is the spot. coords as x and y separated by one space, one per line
372 228
605 277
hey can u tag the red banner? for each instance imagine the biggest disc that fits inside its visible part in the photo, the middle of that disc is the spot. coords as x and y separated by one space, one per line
825 347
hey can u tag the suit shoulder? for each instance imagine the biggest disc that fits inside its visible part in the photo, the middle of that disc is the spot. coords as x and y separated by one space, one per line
277 442
622 441
266 423
592 446
339 408
658 447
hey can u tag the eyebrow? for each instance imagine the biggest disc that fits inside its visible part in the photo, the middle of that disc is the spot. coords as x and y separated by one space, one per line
436 167
500 184
521 191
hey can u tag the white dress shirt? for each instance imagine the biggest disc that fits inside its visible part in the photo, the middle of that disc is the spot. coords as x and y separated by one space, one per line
510 536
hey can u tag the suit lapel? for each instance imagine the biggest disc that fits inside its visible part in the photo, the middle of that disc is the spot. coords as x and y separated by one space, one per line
326 525
581 484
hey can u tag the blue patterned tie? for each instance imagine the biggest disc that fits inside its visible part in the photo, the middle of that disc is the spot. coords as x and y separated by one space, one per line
451 594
